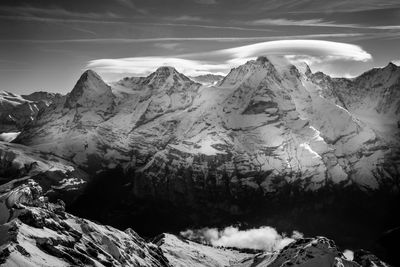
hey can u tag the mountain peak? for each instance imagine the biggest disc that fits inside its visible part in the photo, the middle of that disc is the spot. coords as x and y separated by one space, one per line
391 65
166 69
166 77
262 60
89 75
270 64
90 86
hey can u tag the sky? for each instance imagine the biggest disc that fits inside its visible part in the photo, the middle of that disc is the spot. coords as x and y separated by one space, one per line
47 44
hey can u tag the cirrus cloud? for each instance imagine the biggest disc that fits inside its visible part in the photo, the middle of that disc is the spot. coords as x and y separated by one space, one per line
221 61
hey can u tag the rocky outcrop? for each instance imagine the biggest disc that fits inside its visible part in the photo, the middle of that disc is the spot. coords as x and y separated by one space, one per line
318 252
39 233
58 177
367 259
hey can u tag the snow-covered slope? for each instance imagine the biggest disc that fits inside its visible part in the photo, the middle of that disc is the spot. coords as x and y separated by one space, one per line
16 111
373 97
181 253
34 232
207 79
58 177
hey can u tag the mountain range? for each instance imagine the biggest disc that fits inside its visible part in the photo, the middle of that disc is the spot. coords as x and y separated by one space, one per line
271 143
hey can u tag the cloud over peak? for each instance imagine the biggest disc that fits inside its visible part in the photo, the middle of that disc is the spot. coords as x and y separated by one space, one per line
221 61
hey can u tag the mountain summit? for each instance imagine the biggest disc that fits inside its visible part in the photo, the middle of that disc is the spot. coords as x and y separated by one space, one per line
90 91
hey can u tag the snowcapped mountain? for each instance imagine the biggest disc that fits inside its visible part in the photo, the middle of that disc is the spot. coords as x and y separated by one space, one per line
36 232
373 98
270 141
16 111
264 117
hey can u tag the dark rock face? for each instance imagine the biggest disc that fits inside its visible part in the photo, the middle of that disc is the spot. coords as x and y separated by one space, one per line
87 91
367 259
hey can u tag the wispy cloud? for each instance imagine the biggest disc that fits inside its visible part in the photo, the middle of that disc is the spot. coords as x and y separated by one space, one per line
168 39
169 46
220 61
318 6
387 27
206 2
264 238
317 23
188 18
206 26
127 22
54 12
304 23
131 4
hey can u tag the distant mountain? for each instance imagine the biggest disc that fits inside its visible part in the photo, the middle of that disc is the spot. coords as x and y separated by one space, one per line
207 79
271 143
16 111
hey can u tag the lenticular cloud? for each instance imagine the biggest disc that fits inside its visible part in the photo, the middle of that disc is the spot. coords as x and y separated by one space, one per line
299 47
221 61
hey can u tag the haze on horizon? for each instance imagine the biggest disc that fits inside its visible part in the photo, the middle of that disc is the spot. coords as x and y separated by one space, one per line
47 44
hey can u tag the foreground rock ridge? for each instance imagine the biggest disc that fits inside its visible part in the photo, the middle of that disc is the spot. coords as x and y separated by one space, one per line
35 232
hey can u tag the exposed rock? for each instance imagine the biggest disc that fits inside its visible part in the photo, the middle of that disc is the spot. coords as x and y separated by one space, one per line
367 259
58 177
39 233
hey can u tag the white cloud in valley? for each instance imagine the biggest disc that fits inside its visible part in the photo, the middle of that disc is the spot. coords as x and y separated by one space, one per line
263 238
348 254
